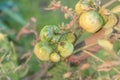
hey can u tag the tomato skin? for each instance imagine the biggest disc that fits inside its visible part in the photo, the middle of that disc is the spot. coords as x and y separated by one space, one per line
42 50
81 6
65 48
70 37
54 57
91 21
48 32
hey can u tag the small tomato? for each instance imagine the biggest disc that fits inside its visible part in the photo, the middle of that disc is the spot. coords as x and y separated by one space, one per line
65 48
54 57
42 50
69 37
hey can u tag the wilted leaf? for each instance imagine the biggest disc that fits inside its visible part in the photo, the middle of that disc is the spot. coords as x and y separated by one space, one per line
116 9
108 65
105 44
84 66
108 32
67 75
116 77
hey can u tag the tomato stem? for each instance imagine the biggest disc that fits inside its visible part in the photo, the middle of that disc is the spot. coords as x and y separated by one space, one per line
62 35
84 47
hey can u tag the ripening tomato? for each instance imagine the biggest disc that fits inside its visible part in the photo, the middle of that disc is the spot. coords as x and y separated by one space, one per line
42 50
65 48
48 32
55 57
91 21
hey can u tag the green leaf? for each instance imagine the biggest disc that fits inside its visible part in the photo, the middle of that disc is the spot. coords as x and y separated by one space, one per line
33 64
3 26
58 71
13 76
117 46
15 16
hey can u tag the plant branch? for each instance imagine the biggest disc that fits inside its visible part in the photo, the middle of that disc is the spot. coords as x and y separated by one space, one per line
85 47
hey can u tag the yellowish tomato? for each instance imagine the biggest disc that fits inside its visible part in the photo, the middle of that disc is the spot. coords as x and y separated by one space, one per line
91 21
54 57
42 50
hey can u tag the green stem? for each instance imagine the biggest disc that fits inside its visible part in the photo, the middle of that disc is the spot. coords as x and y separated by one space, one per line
85 47
82 37
62 35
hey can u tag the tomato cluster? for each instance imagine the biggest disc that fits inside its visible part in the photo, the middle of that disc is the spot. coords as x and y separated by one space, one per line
93 18
90 20
57 44
54 45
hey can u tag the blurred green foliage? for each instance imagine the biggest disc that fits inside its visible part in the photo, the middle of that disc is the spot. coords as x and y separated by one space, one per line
13 16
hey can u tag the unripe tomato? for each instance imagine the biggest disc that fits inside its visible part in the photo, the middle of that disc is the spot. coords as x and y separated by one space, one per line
91 21
65 48
81 7
48 32
42 50
69 37
54 57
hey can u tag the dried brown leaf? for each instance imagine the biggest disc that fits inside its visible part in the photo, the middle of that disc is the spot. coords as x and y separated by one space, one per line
84 66
108 65
54 5
67 75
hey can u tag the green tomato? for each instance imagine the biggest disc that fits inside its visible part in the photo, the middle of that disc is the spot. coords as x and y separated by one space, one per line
91 21
69 37
42 50
65 48
54 57
48 32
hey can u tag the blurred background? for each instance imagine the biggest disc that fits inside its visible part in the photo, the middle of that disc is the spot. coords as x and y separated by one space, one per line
16 62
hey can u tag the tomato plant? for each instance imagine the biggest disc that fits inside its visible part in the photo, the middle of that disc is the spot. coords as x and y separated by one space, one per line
83 44
90 17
